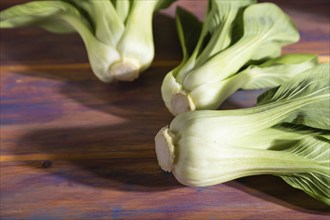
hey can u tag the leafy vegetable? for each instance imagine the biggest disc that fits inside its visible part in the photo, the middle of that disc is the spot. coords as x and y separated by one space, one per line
286 134
269 74
118 39
209 74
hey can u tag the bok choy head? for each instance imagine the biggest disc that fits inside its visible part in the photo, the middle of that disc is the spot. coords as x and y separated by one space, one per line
203 79
286 134
118 40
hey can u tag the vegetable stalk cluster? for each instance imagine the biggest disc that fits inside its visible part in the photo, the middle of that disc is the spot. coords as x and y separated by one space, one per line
237 47
118 40
286 134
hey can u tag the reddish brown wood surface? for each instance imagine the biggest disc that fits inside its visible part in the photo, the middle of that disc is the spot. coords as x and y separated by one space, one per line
75 148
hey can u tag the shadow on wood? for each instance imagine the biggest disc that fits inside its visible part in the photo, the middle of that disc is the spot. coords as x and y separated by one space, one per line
274 189
108 162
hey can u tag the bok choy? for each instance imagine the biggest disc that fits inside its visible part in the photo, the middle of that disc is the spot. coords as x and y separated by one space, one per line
117 34
286 134
233 36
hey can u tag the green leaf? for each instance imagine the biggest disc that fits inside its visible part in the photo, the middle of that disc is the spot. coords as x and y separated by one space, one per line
34 12
269 74
276 71
278 137
161 4
189 30
219 22
188 64
123 8
269 22
108 25
316 183
312 84
57 26
266 29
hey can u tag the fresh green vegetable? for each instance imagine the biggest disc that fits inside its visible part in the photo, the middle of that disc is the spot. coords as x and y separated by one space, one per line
209 74
267 75
118 40
286 134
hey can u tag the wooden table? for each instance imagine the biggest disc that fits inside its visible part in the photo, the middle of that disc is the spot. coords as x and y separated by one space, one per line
73 147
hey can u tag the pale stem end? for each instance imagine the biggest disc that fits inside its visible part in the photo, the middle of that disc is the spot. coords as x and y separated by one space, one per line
124 71
181 102
164 149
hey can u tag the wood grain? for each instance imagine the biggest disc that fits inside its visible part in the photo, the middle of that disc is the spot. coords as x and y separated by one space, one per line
75 148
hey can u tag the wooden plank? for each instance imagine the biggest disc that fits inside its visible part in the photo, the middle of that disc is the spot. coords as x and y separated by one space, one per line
116 189
75 148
